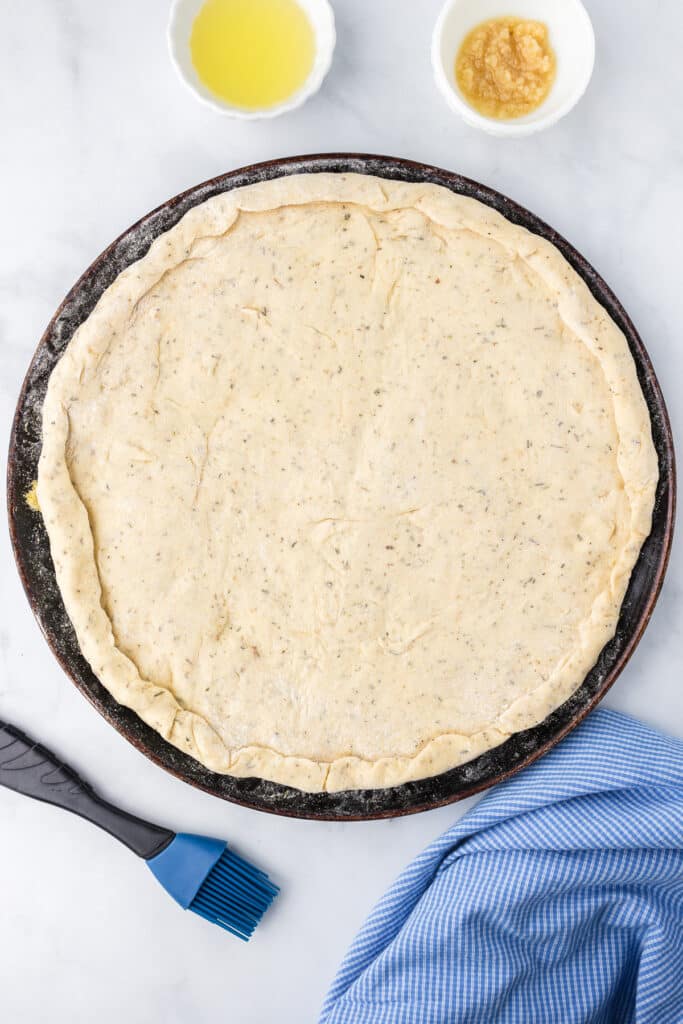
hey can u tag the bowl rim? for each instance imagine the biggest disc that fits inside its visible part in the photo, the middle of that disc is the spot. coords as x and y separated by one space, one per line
491 125
310 86
31 546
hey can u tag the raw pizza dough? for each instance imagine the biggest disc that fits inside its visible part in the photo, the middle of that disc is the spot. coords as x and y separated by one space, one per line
344 481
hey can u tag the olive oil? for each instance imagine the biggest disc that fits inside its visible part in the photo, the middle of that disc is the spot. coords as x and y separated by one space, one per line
253 54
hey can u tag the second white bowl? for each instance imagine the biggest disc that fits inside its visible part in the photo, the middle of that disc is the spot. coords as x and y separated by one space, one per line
571 36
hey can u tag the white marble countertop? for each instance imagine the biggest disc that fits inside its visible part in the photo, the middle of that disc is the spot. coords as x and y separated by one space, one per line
96 130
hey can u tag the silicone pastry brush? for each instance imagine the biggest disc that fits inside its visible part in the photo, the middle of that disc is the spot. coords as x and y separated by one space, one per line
201 874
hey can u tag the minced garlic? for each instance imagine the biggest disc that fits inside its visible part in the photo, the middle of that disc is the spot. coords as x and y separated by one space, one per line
505 67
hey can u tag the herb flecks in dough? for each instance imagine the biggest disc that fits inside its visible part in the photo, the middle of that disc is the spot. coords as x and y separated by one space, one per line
344 481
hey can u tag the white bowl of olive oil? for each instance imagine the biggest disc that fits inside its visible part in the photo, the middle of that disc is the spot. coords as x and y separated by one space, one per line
570 45
251 58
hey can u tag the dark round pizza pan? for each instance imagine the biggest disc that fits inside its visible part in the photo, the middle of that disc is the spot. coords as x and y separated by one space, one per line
32 552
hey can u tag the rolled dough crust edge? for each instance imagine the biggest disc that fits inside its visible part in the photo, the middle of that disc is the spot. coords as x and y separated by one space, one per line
75 562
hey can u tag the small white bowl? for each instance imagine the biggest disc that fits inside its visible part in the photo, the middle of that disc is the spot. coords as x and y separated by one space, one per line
181 19
571 36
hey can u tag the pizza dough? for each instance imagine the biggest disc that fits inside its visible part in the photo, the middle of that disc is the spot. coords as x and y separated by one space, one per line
344 481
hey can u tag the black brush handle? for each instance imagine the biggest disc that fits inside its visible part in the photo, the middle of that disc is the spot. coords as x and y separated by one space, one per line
31 769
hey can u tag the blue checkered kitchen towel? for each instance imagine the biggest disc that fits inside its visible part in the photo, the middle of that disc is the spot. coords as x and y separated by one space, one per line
559 898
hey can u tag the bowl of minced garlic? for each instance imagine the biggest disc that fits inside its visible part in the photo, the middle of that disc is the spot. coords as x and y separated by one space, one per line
513 71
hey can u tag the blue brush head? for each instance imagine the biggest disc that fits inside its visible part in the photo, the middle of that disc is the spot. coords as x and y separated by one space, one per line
203 875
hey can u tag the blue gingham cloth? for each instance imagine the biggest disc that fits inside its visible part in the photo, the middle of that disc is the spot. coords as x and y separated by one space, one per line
557 900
